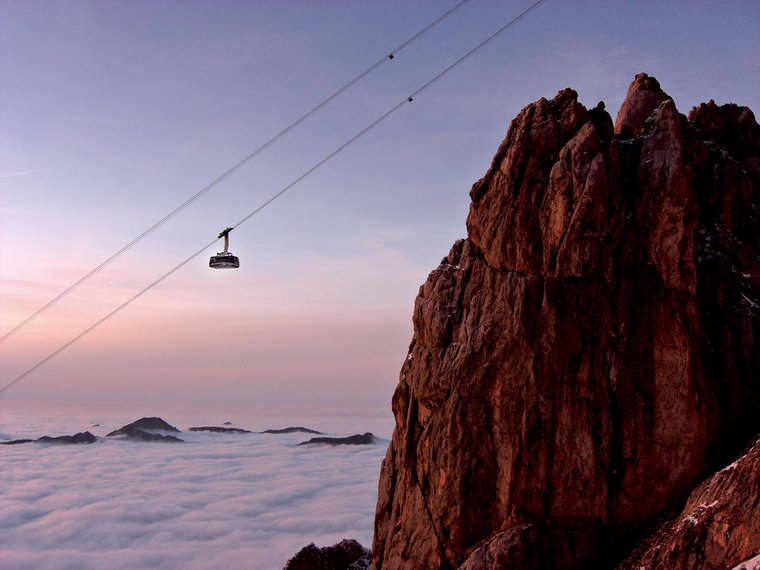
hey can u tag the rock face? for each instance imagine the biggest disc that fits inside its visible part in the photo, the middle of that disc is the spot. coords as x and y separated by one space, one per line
643 97
591 349
513 548
718 527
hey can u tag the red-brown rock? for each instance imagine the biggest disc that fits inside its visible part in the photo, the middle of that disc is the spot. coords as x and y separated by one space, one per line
643 97
729 125
346 555
513 548
589 351
718 528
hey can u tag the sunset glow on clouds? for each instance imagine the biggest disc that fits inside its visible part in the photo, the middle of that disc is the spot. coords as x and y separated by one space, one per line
217 501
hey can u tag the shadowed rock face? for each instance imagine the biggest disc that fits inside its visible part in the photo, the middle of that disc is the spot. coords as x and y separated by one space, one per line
591 349
718 527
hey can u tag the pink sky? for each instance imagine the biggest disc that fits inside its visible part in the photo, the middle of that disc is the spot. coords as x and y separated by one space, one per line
115 113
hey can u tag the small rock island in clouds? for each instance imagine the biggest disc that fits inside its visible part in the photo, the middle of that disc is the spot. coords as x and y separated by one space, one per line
81 437
155 429
148 429
358 439
217 429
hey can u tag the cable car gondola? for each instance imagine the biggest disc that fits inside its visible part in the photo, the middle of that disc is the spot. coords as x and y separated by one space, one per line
225 259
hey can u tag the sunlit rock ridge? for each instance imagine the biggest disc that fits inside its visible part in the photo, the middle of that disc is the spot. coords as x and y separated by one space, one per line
590 352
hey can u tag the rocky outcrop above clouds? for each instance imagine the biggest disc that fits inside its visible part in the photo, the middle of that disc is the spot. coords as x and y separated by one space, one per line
296 429
146 424
142 435
148 429
358 439
591 350
81 437
346 555
217 429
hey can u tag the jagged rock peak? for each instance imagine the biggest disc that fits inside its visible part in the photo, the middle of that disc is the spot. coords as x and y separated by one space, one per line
643 97
506 202
727 125
590 351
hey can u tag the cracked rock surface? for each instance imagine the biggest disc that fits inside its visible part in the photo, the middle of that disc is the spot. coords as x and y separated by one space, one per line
590 351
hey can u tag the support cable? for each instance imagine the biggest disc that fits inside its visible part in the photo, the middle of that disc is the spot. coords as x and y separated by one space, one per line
237 166
108 316
263 205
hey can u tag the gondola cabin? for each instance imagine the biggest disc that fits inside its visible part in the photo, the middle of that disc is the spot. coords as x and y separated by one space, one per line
225 259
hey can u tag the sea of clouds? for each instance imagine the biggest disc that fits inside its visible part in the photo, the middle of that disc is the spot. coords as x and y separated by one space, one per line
246 501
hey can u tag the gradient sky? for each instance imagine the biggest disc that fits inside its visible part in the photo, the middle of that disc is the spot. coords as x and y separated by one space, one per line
113 113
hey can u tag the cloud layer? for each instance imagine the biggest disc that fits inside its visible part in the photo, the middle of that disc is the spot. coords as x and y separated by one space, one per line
217 501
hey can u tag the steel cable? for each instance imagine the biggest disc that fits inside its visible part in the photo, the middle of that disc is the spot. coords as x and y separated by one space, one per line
237 166
264 204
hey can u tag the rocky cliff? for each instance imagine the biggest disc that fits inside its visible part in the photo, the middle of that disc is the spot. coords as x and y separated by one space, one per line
590 352
719 526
